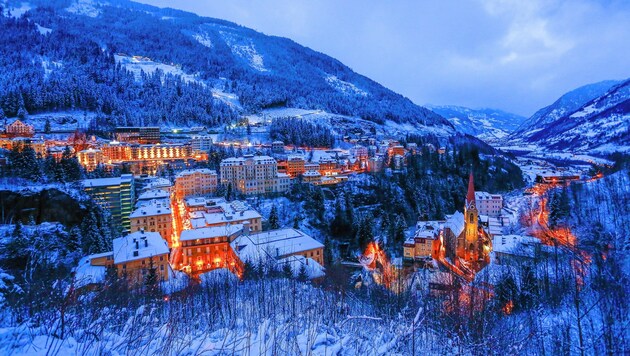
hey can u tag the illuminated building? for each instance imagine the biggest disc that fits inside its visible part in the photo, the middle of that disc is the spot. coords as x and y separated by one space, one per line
141 135
153 216
116 151
295 165
135 254
114 194
90 158
19 129
209 248
204 212
425 242
359 152
253 175
160 151
195 182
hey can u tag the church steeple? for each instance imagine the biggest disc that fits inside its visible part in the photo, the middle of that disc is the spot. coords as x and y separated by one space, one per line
470 197
471 223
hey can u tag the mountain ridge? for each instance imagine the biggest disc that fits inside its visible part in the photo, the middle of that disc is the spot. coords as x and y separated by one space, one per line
263 71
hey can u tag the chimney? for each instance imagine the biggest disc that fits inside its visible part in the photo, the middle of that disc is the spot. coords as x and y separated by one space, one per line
136 241
277 252
146 243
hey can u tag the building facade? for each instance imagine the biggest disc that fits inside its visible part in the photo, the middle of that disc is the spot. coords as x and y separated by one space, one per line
141 135
137 253
153 217
90 158
116 194
19 129
195 182
252 175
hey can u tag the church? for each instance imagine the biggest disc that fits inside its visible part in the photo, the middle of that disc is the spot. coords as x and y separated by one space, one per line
466 241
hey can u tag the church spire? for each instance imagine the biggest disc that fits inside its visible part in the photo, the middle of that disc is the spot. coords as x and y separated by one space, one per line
470 197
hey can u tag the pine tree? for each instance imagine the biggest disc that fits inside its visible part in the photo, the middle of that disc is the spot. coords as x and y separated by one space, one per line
302 274
274 222
287 271
47 128
151 281
228 192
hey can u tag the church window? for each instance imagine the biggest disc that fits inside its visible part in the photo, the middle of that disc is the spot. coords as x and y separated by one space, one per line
471 218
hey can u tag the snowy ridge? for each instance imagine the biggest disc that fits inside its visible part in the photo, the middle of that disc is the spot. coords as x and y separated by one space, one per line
598 125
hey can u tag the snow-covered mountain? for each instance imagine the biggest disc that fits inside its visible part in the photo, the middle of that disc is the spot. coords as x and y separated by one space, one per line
486 124
183 68
594 118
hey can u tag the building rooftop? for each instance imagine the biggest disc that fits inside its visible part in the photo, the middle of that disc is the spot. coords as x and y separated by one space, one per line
105 182
455 222
154 194
274 244
153 208
193 171
210 232
486 196
139 245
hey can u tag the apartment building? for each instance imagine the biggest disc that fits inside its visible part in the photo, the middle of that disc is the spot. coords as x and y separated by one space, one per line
90 158
195 182
252 175
209 248
153 217
489 204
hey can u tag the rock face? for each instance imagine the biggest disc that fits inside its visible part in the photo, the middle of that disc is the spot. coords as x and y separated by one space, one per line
48 205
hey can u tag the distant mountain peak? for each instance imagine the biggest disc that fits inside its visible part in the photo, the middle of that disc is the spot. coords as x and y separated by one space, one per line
490 125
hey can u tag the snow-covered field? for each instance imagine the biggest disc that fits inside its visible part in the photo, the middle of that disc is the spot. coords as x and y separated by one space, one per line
138 64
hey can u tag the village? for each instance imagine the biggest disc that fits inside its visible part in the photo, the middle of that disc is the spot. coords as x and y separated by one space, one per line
179 227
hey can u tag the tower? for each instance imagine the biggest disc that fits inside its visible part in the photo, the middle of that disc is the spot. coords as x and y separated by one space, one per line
471 219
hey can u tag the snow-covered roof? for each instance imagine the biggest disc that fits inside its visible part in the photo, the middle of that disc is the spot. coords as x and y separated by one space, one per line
456 223
311 174
486 196
149 244
153 208
85 273
153 194
313 268
274 244
187 172
105 182
210 232
519 245
242 160
234 211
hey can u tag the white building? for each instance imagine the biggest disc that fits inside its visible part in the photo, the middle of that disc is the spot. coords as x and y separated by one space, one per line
201 142
489 204
252 175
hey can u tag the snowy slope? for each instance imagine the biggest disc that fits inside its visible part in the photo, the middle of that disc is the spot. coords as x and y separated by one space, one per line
489 125
579 123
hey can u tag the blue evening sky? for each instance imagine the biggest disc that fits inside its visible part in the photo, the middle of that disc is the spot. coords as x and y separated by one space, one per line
515 55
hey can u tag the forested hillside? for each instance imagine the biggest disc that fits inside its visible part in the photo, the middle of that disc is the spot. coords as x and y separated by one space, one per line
55 57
